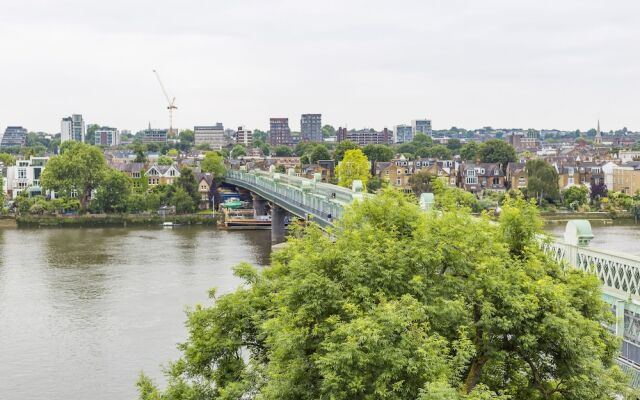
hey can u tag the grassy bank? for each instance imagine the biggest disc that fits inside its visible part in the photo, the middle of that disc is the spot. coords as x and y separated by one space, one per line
91 220
592 216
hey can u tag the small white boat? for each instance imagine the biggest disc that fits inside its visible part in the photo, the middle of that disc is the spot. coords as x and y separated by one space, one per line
167 224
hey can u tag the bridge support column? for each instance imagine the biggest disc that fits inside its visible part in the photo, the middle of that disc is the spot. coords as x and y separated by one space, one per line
278 215
259 204
620 318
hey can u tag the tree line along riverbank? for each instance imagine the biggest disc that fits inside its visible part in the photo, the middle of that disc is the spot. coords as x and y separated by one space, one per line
97 220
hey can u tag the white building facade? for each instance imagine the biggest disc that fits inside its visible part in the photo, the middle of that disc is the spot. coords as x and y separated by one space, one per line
25 175
211 135
72 128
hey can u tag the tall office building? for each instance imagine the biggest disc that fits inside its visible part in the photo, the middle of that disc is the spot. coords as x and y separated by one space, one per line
364 137
14 136
311 127
279 132
72 128
106 136
244 136
212 135
422 126
154 135
402 133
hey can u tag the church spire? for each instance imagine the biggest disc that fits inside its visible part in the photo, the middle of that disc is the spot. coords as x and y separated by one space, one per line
598 138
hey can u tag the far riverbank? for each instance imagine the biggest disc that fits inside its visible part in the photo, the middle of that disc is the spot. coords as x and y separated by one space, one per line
105 220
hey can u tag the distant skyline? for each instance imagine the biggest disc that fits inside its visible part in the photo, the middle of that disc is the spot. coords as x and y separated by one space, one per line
361 63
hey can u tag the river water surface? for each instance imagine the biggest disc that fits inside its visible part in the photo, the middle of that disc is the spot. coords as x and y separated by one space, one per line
83 311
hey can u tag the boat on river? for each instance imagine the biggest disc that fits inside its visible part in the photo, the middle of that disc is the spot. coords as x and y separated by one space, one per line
245 219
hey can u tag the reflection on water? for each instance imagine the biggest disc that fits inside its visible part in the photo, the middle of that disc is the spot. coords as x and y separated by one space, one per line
621 236
82 311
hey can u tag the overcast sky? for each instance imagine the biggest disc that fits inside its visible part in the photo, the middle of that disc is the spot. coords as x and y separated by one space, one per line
530 64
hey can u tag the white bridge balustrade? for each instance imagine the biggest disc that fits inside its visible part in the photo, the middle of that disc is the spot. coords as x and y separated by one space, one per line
620 277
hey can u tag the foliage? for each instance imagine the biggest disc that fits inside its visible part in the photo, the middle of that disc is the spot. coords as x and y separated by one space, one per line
238 151
136 203
342 148
421 182
113 192
598 191
376 183
354 166
400 304
575 196
422 140
80 168
7 159
469 152
454 144
497 151
187 182
451 199
182 201
164 160
282 151
328 131
542 181
266 150
173 153
439 152
140 156
378 153
319 152
213 163
186 139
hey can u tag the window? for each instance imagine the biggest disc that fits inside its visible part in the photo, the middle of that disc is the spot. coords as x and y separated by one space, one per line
398 181
496 181
22 173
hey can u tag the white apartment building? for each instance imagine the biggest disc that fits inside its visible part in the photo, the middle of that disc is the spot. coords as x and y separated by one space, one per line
244 137
106 136
72 128
212 135
25 175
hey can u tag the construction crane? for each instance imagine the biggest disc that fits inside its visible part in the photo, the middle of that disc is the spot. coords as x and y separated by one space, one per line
171 102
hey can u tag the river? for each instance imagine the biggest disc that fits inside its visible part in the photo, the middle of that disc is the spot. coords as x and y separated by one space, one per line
83 311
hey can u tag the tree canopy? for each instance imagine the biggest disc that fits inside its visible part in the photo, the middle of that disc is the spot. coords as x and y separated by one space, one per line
497 151
342 148
542 181
238 151
213 163
399 304
469 151
80 168
354 166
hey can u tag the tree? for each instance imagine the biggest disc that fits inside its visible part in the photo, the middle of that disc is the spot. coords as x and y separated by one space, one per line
266 150
542 181
187 181
575 196
469 152
213 163
598 191
342 148
182 201
328 131
422 140
409 149
378 153
420 182
113 192
186 139
90 137
497 151
439 152
79 169
7 159
238 151
454 144
401 304
354 166
173 153
319 152
283 151
136 203
165 160
259 136
140 156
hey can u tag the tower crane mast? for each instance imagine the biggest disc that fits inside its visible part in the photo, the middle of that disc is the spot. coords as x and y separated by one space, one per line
171 101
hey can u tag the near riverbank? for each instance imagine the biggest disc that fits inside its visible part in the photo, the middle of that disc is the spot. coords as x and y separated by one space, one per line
591 216
98 220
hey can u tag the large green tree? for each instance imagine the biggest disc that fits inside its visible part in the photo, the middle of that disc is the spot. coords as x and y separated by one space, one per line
354 166
469 152
542 181
378 152
78 170
343 147
282 151
497 151
213 163
319 152
114 191
187 182
400 304
238 151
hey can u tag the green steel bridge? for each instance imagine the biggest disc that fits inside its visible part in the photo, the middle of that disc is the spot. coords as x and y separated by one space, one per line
324 203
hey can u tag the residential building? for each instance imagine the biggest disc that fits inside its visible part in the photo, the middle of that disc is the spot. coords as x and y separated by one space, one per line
364 137
311 127
398 172
402 133
154 135
517 175
162 174
626 156
212 135
25 175
205 189
106 136
244 137
279 132
422 126
72 128
523 141
14 136
133 170
476 178
607 170
326 169
626 178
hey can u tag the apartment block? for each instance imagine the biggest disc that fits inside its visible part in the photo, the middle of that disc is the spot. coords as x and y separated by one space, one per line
212 135
72 128
14 136
311 127
279 132
106 136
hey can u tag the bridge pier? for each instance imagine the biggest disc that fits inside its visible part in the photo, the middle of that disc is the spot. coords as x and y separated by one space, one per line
259 204
278 230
